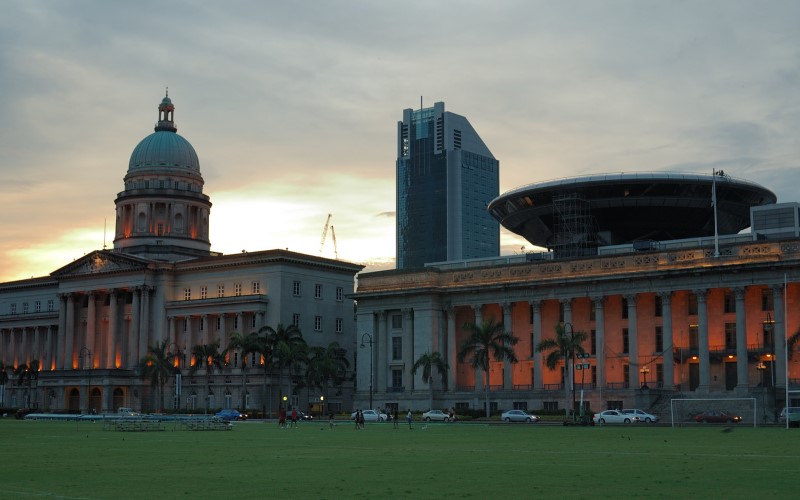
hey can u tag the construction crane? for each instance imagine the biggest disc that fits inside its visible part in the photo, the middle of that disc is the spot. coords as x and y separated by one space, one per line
333 236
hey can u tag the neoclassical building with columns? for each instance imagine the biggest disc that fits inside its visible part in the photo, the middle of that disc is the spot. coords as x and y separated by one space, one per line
696 317
85 327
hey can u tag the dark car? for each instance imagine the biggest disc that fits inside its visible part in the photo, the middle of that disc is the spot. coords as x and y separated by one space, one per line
717 417
230 414
302 416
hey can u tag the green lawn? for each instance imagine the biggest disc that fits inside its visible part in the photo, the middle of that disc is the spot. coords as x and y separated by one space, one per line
258 460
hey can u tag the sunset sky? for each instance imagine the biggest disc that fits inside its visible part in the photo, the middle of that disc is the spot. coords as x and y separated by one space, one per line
292 107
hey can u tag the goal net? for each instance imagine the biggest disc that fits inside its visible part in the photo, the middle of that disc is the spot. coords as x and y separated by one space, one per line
683 411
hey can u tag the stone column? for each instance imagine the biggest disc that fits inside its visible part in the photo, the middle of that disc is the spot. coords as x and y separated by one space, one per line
133 337
70 333
742 384
451 357
508 374
408 350
144 324
780 337
600 340
61 335
113 348
479 377
538 359
91 325
633 341
704 384
668 335
47 357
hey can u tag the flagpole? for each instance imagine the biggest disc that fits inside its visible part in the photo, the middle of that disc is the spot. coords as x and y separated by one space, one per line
714 204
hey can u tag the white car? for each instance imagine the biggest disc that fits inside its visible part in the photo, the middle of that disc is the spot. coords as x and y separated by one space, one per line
371 416
518 416
435 415
643 416
614 417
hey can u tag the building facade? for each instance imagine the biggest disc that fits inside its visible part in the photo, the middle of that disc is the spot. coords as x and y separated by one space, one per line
446 177
73 341
672 321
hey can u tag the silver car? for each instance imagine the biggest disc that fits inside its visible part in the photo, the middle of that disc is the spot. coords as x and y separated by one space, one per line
435 415
518 416
614 417
643 416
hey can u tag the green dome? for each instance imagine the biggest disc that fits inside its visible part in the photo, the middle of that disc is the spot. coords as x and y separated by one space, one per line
164 149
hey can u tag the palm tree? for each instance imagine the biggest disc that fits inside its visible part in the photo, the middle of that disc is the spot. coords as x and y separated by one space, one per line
263 347
287 347
326 365
428 362
791 342
157 365
207 357
24 373
563 346
245 344
487 340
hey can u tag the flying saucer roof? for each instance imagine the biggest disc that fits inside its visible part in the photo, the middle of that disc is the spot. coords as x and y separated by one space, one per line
627 207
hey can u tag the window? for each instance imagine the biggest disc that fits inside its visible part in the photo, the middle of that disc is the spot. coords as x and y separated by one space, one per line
659 307
317 323
339 325
202 324
397 321
729 302
520 405
339 294
37 306
317 291
296 320
237 289
296 288
593 338
24 308
256 288
13 309
203 292
659 375
236 322
219 323
767 300
730 336
624 309
253 321
659 339
397 379
50 305
220 290
550 405
592 311
692 303
397 348
624 340
626 375
185 324
187 294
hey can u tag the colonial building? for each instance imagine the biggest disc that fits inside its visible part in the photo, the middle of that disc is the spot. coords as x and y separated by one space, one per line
697 316
82 331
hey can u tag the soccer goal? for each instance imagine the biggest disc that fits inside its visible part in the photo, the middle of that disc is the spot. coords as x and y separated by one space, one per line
685 411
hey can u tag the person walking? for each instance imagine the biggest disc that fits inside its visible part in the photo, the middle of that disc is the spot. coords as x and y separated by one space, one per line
330 420
294 417
395 419
409 417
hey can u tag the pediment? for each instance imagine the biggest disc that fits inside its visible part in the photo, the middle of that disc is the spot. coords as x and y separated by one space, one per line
101 262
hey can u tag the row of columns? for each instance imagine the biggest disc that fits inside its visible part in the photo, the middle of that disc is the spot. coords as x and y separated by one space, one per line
419 336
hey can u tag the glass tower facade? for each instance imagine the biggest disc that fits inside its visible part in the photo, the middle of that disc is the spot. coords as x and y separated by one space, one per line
446 177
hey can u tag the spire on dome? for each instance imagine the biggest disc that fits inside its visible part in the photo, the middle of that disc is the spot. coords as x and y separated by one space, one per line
165 111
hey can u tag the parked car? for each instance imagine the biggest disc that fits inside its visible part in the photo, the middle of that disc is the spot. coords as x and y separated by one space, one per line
614 417
643 415
518 416
436 416
371 416
230 414
793 414
717 417
301 416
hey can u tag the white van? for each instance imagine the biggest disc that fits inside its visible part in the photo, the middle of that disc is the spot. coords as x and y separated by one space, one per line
793 413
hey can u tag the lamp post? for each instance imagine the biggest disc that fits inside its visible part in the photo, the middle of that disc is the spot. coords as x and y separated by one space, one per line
582 366
322 406
85 354
363 345
644 371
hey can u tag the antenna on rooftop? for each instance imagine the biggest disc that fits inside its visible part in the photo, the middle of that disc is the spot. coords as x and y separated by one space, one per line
104 233
420 102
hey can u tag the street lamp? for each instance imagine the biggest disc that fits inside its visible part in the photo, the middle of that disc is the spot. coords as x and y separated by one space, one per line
644 371
582 366
322 406
364 344
85 354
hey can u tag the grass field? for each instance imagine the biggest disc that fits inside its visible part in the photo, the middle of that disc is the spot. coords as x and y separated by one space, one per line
72 460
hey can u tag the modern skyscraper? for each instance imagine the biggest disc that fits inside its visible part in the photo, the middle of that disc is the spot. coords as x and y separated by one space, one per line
446 177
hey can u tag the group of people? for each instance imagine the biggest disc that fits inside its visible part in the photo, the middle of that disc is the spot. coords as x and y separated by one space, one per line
282 418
